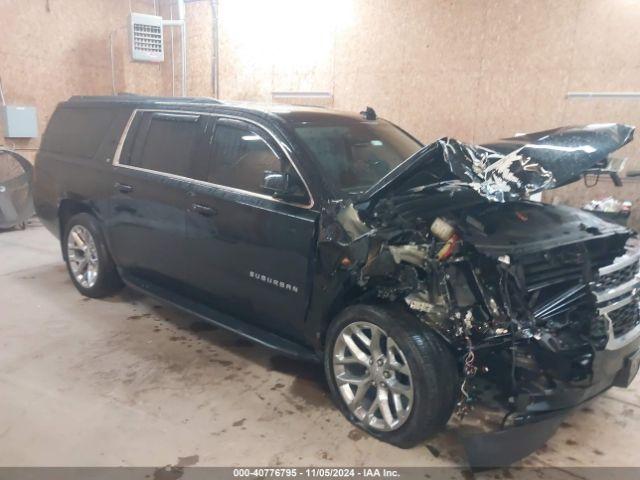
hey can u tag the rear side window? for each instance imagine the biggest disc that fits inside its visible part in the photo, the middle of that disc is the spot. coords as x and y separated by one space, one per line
167 142
77 132
240 156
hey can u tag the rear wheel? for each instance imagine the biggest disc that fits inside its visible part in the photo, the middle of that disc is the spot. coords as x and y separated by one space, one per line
89 263
389 374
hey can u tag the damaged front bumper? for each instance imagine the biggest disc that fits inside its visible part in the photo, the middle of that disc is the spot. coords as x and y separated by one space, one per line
534 417
540 418
503 447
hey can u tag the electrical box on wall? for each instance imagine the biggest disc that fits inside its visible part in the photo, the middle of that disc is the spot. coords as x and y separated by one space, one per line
19 122
146 38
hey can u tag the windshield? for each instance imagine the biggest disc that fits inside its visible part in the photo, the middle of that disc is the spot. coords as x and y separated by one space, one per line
355 154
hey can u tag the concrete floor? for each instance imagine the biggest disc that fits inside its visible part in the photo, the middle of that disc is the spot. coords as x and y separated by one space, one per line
124 381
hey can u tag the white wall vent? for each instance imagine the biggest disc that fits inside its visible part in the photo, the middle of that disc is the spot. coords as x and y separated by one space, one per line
146 38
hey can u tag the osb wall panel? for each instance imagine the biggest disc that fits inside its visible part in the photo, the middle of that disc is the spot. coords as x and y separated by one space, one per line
200 48
53 49
474 70
269 47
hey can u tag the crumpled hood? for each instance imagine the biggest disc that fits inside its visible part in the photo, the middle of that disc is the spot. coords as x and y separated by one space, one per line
511 168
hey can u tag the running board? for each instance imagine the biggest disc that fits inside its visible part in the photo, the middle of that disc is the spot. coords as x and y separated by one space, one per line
223 320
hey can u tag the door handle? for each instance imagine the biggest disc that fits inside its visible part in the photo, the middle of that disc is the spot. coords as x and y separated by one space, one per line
203 210
123 187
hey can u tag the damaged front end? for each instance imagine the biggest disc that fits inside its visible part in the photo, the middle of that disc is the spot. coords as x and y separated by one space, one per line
540 302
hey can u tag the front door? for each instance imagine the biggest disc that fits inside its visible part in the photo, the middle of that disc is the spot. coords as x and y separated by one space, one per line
151 192
251 254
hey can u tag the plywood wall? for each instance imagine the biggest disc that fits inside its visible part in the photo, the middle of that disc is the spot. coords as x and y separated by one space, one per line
472 69
52 49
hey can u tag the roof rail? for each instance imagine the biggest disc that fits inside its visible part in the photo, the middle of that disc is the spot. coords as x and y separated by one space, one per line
134 98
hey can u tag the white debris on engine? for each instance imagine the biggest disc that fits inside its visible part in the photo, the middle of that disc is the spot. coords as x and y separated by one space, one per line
411 253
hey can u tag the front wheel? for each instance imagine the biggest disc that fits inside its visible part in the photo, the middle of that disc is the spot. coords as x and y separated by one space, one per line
389 374
89 263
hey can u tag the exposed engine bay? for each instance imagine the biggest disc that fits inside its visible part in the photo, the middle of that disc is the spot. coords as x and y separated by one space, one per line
516 307
540 302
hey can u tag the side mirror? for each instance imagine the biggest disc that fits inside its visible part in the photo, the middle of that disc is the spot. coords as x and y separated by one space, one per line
284 186
275 183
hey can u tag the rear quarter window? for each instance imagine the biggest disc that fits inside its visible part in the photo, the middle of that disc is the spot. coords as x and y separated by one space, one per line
77 132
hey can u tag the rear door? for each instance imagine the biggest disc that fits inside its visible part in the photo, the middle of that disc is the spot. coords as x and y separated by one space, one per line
250 254
151 192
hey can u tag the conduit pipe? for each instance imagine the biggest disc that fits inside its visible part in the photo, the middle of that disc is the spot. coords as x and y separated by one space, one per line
603 95
182 23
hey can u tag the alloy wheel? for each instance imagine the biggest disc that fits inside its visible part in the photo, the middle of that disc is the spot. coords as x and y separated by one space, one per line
373 376
83 256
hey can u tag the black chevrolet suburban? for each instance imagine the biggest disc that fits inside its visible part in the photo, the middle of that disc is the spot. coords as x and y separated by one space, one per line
423 277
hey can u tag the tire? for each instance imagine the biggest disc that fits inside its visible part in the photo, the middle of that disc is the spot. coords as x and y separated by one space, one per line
101 277
433 374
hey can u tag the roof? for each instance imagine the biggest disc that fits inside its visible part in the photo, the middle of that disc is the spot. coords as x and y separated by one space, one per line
296 114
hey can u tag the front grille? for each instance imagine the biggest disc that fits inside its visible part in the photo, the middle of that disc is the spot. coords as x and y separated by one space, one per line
542 275
586 286
617 297
624 319
544 270
618 277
